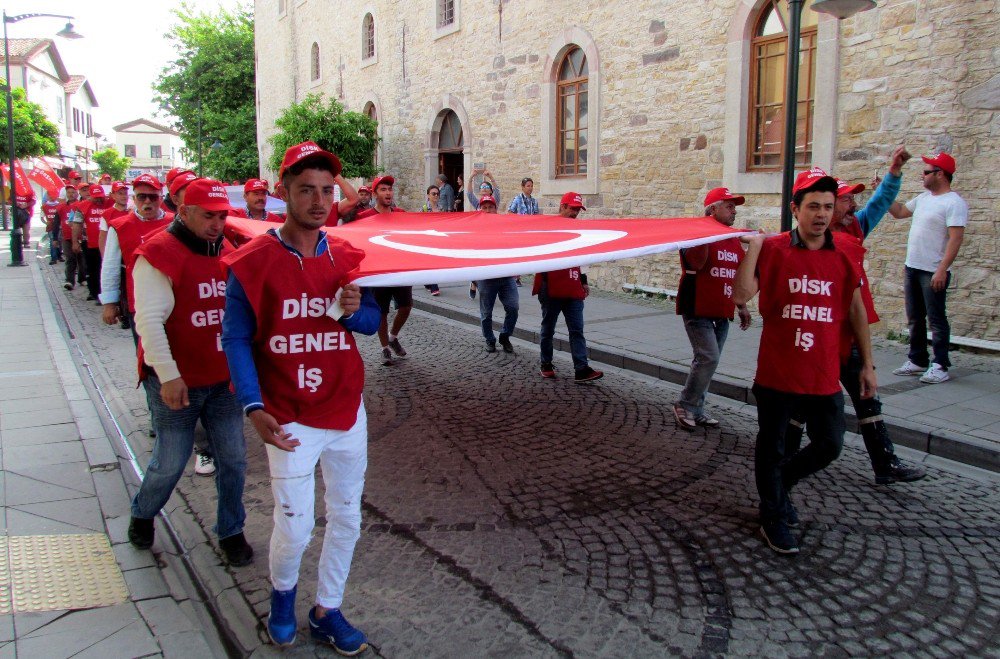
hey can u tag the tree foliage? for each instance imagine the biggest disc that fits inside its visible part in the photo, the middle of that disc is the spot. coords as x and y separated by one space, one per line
351 135
112 163
34 134
213 79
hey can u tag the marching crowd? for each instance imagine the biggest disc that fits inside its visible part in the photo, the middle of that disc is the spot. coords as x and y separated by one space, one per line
267 330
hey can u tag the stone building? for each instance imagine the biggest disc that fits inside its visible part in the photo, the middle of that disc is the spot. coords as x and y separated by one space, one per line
642 106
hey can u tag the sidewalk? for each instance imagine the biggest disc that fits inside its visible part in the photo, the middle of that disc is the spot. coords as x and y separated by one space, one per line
70 583
958 420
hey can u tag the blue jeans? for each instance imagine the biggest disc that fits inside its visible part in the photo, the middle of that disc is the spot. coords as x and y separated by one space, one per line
489 290
923 305
707 336
222 417
55 245
572 311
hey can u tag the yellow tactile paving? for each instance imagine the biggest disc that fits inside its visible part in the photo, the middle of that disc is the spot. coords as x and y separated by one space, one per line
55 572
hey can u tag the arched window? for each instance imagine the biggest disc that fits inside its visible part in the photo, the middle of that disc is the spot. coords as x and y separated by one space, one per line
314 62
766 124
571 114
451 133
368 37
372 114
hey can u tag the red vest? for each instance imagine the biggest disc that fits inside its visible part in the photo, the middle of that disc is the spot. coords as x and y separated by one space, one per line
113 213
371 212
194 327
133 232
561 284
852 229
64 211
268 215
708 292
854 249
805 298
309 366
92 212
50 209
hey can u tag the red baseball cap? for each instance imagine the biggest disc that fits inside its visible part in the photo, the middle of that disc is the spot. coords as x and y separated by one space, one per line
172 174
147 179
810 178
942 161
97 190
573 200
208 194
364 188
300 152
105 176
181 181
74 174
69 184
843 187
255 184
487 199
383 180
118 185
722 194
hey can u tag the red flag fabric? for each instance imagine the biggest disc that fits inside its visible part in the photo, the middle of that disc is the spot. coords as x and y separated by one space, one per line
22 187
43 174
407 249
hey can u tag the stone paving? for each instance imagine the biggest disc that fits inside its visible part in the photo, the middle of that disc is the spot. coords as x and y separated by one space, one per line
505 515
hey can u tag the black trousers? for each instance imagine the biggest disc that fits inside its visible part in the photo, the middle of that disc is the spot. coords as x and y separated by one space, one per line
93 258
776 469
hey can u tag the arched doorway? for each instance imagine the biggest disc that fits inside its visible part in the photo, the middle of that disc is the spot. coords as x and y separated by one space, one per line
451 145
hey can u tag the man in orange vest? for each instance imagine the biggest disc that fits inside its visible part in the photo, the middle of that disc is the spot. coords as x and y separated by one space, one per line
179 304
563 291
705 301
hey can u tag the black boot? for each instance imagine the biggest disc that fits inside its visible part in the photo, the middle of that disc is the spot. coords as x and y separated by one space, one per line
887 467
140 532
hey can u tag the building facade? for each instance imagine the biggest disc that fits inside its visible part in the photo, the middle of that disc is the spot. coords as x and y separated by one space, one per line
643 106
152 147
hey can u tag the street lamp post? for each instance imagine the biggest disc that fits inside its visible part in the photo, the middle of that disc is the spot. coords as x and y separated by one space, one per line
841 9
68 33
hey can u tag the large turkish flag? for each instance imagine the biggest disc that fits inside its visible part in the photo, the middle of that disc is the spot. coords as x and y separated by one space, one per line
404 249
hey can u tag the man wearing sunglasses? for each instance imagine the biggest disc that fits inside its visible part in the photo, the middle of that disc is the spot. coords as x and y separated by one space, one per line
936 233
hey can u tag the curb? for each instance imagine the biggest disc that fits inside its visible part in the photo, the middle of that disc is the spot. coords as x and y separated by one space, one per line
939 442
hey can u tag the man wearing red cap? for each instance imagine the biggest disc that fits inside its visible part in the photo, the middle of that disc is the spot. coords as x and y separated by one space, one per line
179 305
936 232
291 318
76 269
808 289
86 236
50 210
705 301
255 195
563 291
119 199
170 204
386 295
364 203
502 288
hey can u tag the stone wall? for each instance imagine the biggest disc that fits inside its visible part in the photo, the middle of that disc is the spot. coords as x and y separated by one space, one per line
920 72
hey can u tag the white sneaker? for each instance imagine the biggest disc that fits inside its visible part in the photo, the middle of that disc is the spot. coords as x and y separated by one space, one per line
204 464
909 368
935 375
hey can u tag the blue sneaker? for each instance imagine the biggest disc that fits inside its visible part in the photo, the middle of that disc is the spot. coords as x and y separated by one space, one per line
281 625
334 629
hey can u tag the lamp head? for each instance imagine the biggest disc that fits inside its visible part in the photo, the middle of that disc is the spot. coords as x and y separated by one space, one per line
842 8
69 32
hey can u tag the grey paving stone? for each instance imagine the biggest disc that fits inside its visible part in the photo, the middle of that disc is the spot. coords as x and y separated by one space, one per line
36 419
145 584
63 432
43 455
82 513
164 616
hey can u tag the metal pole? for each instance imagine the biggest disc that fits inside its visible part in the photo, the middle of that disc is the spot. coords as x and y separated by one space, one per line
791 109
199 137
8 195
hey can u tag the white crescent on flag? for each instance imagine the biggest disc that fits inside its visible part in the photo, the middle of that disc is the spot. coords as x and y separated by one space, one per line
407 249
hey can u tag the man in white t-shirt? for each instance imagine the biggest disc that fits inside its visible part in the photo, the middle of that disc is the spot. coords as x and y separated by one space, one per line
939 219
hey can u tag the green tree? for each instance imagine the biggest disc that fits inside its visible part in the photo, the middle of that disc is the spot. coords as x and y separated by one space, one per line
111 163
213 80
34 134
351 135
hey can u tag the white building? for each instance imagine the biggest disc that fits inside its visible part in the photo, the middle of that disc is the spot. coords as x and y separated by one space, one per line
153 148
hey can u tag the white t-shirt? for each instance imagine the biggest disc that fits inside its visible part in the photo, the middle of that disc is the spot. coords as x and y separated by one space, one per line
932 215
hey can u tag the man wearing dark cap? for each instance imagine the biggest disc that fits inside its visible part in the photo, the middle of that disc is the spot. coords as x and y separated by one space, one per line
179 305
936 232
255 193
705 301
563 291
291 317
808 290
386 295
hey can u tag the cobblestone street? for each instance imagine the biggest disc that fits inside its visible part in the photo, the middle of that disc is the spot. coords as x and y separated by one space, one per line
506 515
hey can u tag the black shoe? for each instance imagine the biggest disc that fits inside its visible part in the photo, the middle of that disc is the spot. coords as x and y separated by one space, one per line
126 323
151 432
587 374
779 538
68 286
505 342
91 298
53 261
238 553
491 347
899 472
140 532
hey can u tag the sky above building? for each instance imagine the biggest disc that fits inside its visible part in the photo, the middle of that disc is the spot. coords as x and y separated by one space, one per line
123 51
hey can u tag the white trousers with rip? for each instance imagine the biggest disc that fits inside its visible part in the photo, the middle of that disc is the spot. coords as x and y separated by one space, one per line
343 456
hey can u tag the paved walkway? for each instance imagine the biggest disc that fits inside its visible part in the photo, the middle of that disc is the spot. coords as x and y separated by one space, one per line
958 420
70 583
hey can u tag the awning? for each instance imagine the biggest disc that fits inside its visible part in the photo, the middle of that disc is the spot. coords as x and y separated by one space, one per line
57 163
